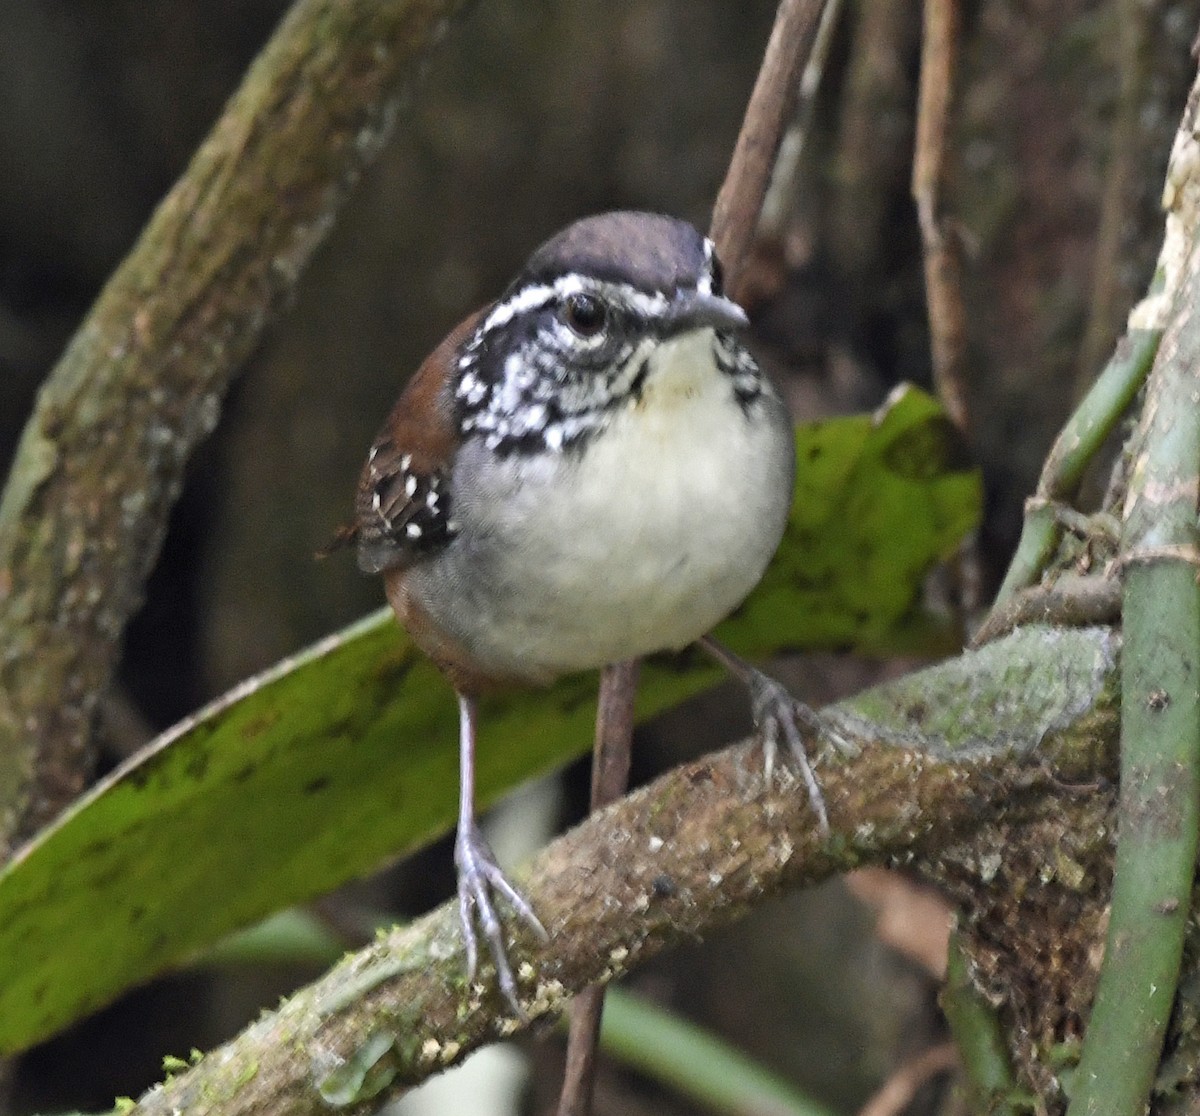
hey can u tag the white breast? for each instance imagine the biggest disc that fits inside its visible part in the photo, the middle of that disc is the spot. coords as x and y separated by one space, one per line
641 542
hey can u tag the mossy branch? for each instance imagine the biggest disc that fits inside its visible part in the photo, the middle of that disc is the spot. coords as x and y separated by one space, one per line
947 755
140 385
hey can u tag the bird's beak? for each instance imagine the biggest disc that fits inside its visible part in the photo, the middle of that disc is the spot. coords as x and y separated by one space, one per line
695 310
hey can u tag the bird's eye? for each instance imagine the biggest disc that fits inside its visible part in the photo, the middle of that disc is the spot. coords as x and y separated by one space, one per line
585 314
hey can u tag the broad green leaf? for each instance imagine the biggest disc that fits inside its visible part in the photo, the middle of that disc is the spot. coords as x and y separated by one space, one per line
876 497
345 756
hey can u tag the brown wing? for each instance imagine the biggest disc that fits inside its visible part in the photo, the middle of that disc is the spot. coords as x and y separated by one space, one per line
404 507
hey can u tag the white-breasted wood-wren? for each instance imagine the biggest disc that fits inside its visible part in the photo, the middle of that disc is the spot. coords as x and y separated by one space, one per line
590 469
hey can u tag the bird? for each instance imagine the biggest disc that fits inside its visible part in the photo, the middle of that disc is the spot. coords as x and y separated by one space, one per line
591 468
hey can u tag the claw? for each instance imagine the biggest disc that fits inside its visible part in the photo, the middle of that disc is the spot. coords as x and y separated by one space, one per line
775 711
479 876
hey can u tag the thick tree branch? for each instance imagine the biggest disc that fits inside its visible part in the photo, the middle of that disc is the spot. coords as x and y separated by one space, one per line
697 849
140 385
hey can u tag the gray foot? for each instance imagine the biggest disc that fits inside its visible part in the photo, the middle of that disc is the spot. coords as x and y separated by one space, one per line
779 715
478 877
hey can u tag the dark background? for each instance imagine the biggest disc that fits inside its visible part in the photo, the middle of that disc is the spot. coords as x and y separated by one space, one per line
532 114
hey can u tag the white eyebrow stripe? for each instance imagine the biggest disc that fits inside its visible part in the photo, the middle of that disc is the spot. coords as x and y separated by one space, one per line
540 294
528 298
648 306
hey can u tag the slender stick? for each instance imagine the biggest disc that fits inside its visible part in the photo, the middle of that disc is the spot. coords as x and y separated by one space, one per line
782 186
735 216
943 271
899 1090
1073 450
610 778
940 249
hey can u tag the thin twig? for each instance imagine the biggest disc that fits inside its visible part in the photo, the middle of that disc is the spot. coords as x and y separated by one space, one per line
782 182
898 1091
739 202
943 268
1071 601
735 218
1073 450
943 271
610 778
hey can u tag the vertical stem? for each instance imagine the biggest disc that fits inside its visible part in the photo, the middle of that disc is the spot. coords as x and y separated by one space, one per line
943 272
610 777
735 218
1159 808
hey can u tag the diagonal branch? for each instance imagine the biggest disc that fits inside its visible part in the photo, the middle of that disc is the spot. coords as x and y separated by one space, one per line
735 215
735 218
697 849
101 460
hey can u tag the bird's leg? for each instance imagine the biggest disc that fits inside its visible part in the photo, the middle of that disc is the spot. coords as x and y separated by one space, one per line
777 713
479 874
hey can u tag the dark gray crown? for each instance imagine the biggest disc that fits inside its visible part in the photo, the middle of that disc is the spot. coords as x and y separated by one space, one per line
648 251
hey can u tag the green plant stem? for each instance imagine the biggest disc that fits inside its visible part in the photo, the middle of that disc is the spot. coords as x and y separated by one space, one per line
1159 807
697 1063
1072 452
976 1030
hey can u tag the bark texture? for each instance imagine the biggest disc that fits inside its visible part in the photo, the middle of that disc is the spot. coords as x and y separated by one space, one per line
140 385
956 776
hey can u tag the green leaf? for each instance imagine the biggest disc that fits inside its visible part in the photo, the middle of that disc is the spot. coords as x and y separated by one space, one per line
345 755
878 498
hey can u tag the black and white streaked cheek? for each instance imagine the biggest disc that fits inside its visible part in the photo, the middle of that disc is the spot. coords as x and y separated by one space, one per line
737 363
553 388
709 281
